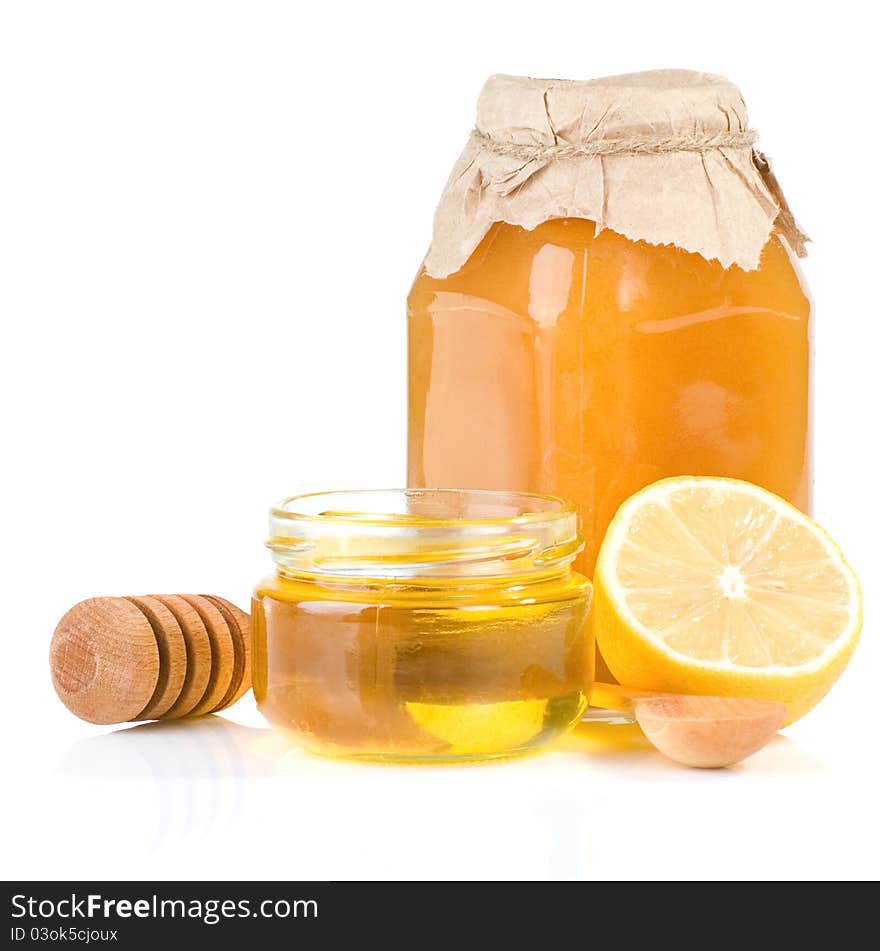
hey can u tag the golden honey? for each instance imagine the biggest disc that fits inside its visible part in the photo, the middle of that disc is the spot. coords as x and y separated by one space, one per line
423 625
588 365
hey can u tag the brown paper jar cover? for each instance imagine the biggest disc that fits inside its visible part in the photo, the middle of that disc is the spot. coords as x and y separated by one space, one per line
664 157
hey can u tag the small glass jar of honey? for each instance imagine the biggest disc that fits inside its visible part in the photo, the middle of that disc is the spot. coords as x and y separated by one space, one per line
423 624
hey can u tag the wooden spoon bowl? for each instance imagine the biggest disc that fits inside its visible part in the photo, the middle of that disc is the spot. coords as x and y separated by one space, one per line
706 732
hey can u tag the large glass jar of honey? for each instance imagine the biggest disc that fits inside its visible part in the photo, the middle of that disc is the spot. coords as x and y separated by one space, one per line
611 298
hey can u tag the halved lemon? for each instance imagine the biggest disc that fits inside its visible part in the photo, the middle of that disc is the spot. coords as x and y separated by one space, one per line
718 587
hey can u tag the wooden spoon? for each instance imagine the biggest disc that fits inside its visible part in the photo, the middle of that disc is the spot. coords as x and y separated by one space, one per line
707 732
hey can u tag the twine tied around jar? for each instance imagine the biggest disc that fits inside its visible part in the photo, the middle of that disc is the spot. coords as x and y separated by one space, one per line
632 145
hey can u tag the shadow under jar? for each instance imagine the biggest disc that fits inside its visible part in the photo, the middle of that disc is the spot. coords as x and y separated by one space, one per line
423 624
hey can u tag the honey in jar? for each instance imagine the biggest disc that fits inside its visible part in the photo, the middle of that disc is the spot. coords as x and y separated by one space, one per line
423 625
611 298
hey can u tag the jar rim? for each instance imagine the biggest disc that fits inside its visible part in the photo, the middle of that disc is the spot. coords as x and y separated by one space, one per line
412 534
556 507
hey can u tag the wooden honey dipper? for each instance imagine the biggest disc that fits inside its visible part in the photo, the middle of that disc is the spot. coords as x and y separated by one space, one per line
154 657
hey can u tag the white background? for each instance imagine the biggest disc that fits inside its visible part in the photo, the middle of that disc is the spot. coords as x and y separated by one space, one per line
210 215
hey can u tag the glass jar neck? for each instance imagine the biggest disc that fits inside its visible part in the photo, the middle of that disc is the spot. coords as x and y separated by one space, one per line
419 538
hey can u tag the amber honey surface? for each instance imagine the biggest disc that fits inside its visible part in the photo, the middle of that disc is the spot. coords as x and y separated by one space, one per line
557 360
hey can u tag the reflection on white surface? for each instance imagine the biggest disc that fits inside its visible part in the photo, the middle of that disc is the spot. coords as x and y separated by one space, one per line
193 774
196 784
211 746
212 798
621 746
